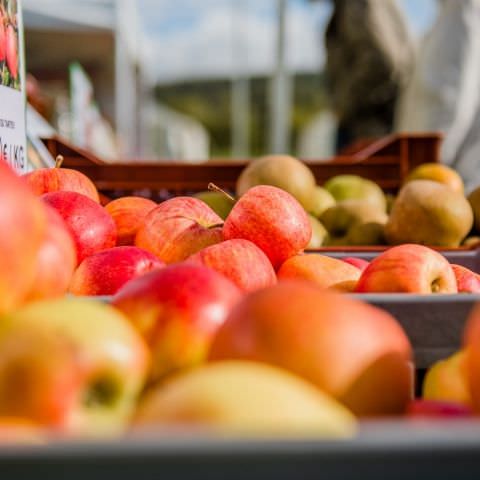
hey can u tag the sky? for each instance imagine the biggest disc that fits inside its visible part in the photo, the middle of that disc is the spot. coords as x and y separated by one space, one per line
217 38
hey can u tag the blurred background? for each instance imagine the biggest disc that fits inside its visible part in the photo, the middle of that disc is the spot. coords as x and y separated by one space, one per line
196 79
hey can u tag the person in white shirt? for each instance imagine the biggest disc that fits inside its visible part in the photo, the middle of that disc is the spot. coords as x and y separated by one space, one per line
444 93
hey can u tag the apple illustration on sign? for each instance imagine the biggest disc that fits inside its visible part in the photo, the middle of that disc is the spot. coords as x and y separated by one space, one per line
3 38
12 51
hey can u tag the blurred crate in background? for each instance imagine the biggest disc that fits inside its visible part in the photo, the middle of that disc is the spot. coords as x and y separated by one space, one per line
386 161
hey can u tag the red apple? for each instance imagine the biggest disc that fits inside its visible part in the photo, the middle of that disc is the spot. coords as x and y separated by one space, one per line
75 366
467 281
351 350
56 260
22 223
239 260
93 229
178 228
273 220
408 269
359 263
104 273
326 272
129 213
12 51
435 409
47 180
177 310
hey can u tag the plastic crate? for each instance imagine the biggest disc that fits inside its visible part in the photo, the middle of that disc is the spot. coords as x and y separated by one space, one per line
386 161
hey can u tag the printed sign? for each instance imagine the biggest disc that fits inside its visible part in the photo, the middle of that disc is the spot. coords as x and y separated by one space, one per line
12 86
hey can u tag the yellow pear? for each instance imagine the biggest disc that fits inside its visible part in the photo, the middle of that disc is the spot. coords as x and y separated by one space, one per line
437 172
245 398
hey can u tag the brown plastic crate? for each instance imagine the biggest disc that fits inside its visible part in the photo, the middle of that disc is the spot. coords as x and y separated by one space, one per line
386 161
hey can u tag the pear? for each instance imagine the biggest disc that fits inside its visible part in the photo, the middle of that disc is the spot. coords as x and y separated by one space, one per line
281 171
437 172
471 242
474 200
321 201
353 187
429 213
370 233
353 222
319 234
245 398
217 201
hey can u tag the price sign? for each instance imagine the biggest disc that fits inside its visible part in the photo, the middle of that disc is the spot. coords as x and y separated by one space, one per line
12 86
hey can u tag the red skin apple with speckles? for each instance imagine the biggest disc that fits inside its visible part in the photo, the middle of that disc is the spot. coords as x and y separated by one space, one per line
56 259
273 220
351 350
467 281
359 263
47 180
92 228
22 227
104 273
129 213
178 228
408 268
239 260
178 310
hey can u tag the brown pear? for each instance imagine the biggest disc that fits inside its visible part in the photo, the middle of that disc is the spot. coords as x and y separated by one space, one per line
474 199
429 213
281 171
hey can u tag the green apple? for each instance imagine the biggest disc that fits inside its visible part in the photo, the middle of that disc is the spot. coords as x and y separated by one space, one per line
353 187
217 201
245 398
72 365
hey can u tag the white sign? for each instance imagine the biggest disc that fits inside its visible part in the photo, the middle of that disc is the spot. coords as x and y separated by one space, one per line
12 86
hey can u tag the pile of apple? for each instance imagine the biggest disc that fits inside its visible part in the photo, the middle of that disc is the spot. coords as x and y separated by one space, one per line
348 210
218 325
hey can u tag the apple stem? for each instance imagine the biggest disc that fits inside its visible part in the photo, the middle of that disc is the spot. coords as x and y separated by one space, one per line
58 161
213 188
